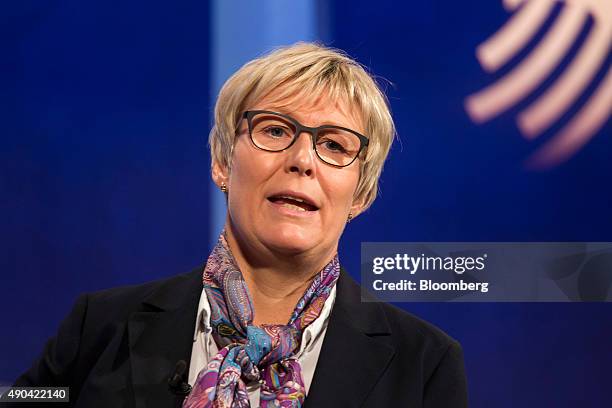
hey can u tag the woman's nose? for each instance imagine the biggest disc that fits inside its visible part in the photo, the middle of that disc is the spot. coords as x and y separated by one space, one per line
301 155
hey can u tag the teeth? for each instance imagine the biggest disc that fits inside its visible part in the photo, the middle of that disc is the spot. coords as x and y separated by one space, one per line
293 207
294 199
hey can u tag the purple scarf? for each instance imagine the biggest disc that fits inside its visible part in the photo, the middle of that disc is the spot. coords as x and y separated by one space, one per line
250 353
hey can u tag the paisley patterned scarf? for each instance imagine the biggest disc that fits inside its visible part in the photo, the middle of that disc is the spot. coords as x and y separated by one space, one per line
250 353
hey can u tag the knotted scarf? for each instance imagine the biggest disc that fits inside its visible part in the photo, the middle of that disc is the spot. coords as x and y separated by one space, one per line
248 353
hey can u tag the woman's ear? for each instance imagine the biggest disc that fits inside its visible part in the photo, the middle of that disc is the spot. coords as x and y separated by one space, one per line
357 208
220 174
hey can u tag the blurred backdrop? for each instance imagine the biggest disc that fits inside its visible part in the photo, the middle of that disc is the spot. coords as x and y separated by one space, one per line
502 111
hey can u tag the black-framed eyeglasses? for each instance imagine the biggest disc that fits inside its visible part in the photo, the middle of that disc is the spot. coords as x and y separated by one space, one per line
274 132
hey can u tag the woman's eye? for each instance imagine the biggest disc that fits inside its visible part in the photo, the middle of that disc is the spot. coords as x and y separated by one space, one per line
333 146
275 131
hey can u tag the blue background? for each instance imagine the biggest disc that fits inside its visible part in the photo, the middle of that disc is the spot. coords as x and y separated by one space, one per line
105 110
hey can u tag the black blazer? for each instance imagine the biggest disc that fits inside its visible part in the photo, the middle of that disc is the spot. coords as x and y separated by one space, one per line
118 347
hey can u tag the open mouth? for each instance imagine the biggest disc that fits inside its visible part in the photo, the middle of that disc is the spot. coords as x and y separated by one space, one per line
293 203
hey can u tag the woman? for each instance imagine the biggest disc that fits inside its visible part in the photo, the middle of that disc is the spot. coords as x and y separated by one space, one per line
298 145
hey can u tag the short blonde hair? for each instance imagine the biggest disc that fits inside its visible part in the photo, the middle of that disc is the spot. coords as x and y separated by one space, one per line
308 69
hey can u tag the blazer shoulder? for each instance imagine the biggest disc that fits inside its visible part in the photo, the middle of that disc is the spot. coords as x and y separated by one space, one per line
97 326
123 300
407 325
439 355
404 326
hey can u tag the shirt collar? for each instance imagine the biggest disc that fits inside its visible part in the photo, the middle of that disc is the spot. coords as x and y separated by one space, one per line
309 335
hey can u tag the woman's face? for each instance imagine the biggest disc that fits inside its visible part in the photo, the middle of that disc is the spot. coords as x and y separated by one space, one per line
265 188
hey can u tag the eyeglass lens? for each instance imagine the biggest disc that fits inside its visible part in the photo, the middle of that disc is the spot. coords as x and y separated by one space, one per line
333 145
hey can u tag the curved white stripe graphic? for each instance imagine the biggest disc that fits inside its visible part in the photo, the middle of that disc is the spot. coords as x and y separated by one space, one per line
557 100
513 35
537 67
580 130
513 4
509 90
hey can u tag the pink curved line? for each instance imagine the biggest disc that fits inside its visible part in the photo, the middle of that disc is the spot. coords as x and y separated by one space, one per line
579 130
513 4
550 106
513 35
510 89
600 9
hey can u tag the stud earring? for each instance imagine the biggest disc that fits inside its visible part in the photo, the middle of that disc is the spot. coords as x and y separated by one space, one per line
223 187
350 217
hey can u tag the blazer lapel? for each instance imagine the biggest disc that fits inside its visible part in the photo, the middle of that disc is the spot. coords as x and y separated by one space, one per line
354 354
160 335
